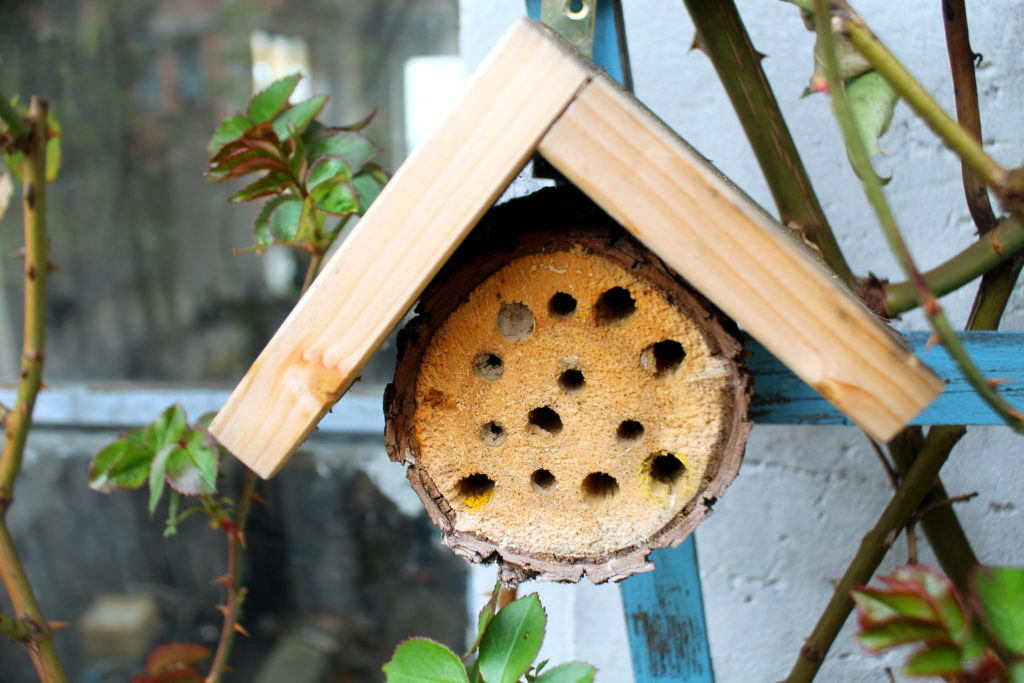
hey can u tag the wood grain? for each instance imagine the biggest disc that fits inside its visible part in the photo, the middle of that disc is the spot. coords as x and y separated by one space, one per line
423 213
677 204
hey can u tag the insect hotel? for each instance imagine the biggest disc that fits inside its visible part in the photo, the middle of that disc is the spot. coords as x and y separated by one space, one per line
572 393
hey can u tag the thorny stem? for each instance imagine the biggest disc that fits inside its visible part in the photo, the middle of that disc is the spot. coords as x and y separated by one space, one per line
16 630
873 189
965 90
19 127
873 546
40 644
961 141
724 39
236 545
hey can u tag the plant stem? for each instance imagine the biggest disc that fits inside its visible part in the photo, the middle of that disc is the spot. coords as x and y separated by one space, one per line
873 546
18 631
725 40
19 127
988 251
40 645
236 543
965 90
962 142
873 189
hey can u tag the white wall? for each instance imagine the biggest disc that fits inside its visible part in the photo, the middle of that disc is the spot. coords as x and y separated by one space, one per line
805 495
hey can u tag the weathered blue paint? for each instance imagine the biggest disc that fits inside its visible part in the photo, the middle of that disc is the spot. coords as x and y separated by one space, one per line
782 398
665 617
606 38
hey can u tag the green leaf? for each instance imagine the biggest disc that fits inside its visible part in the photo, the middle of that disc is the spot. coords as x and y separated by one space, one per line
420 660
1016 672
473 671
935 587
270 184
572 672
157 474
263 236
999 593
512 640
326 168
339 200
265 104
284 223
166 429
53 153
484 618
941 660
192 470
876 605
122 465
367 189
900 632
295 119
167 658
243 162
353 148
872 101
230 129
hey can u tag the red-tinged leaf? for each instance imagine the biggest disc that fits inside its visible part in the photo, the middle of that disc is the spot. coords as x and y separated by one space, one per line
367 189
900 632
188 675
939 589
355 149
876 605
324 169
192 470
270 184
253 165
174 657
230 129
941 660
265 104
123 465
360 124
263 145
293 121
166 429
239 155
999 596
263 236
339 200
263 131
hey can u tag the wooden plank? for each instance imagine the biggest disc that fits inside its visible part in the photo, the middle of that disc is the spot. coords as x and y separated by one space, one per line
665 619
660 189
780 397
421 216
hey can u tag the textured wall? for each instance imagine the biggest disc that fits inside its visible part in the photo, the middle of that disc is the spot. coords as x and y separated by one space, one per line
805 496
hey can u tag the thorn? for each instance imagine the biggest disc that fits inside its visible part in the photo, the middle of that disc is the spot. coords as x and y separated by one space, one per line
695 43
241 539
51 266
933 341
259 499
57 625
42 385
996 382
932 308
760 55
818 82
18 253
240 629
223 609
223 580
30 272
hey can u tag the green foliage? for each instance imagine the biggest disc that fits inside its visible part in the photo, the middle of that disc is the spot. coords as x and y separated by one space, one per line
14 155
166 452
507 642
919 606
305 171
174 663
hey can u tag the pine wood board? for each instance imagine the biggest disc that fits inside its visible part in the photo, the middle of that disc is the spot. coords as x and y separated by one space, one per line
713 235
432 202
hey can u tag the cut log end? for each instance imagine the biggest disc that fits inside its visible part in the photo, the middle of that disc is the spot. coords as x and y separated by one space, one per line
566 403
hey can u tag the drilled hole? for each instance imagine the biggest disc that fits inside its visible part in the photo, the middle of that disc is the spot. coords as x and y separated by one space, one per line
665 468
492 434
542 479
475 488
663 358
599 486
615 305
629 431
576 9
515 321
546 419
562 305
572 381
488 366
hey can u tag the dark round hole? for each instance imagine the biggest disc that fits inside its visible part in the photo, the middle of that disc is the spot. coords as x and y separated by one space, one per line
615 305
598 486
488 366
662 358
546 419
475 486
562 305
666 468
575 6
572 381
543 479
629 431
515 321
492 434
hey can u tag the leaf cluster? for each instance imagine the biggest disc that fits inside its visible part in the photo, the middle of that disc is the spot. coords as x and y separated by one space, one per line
13 149
305 171
174 663
166 452
505 648
972 640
